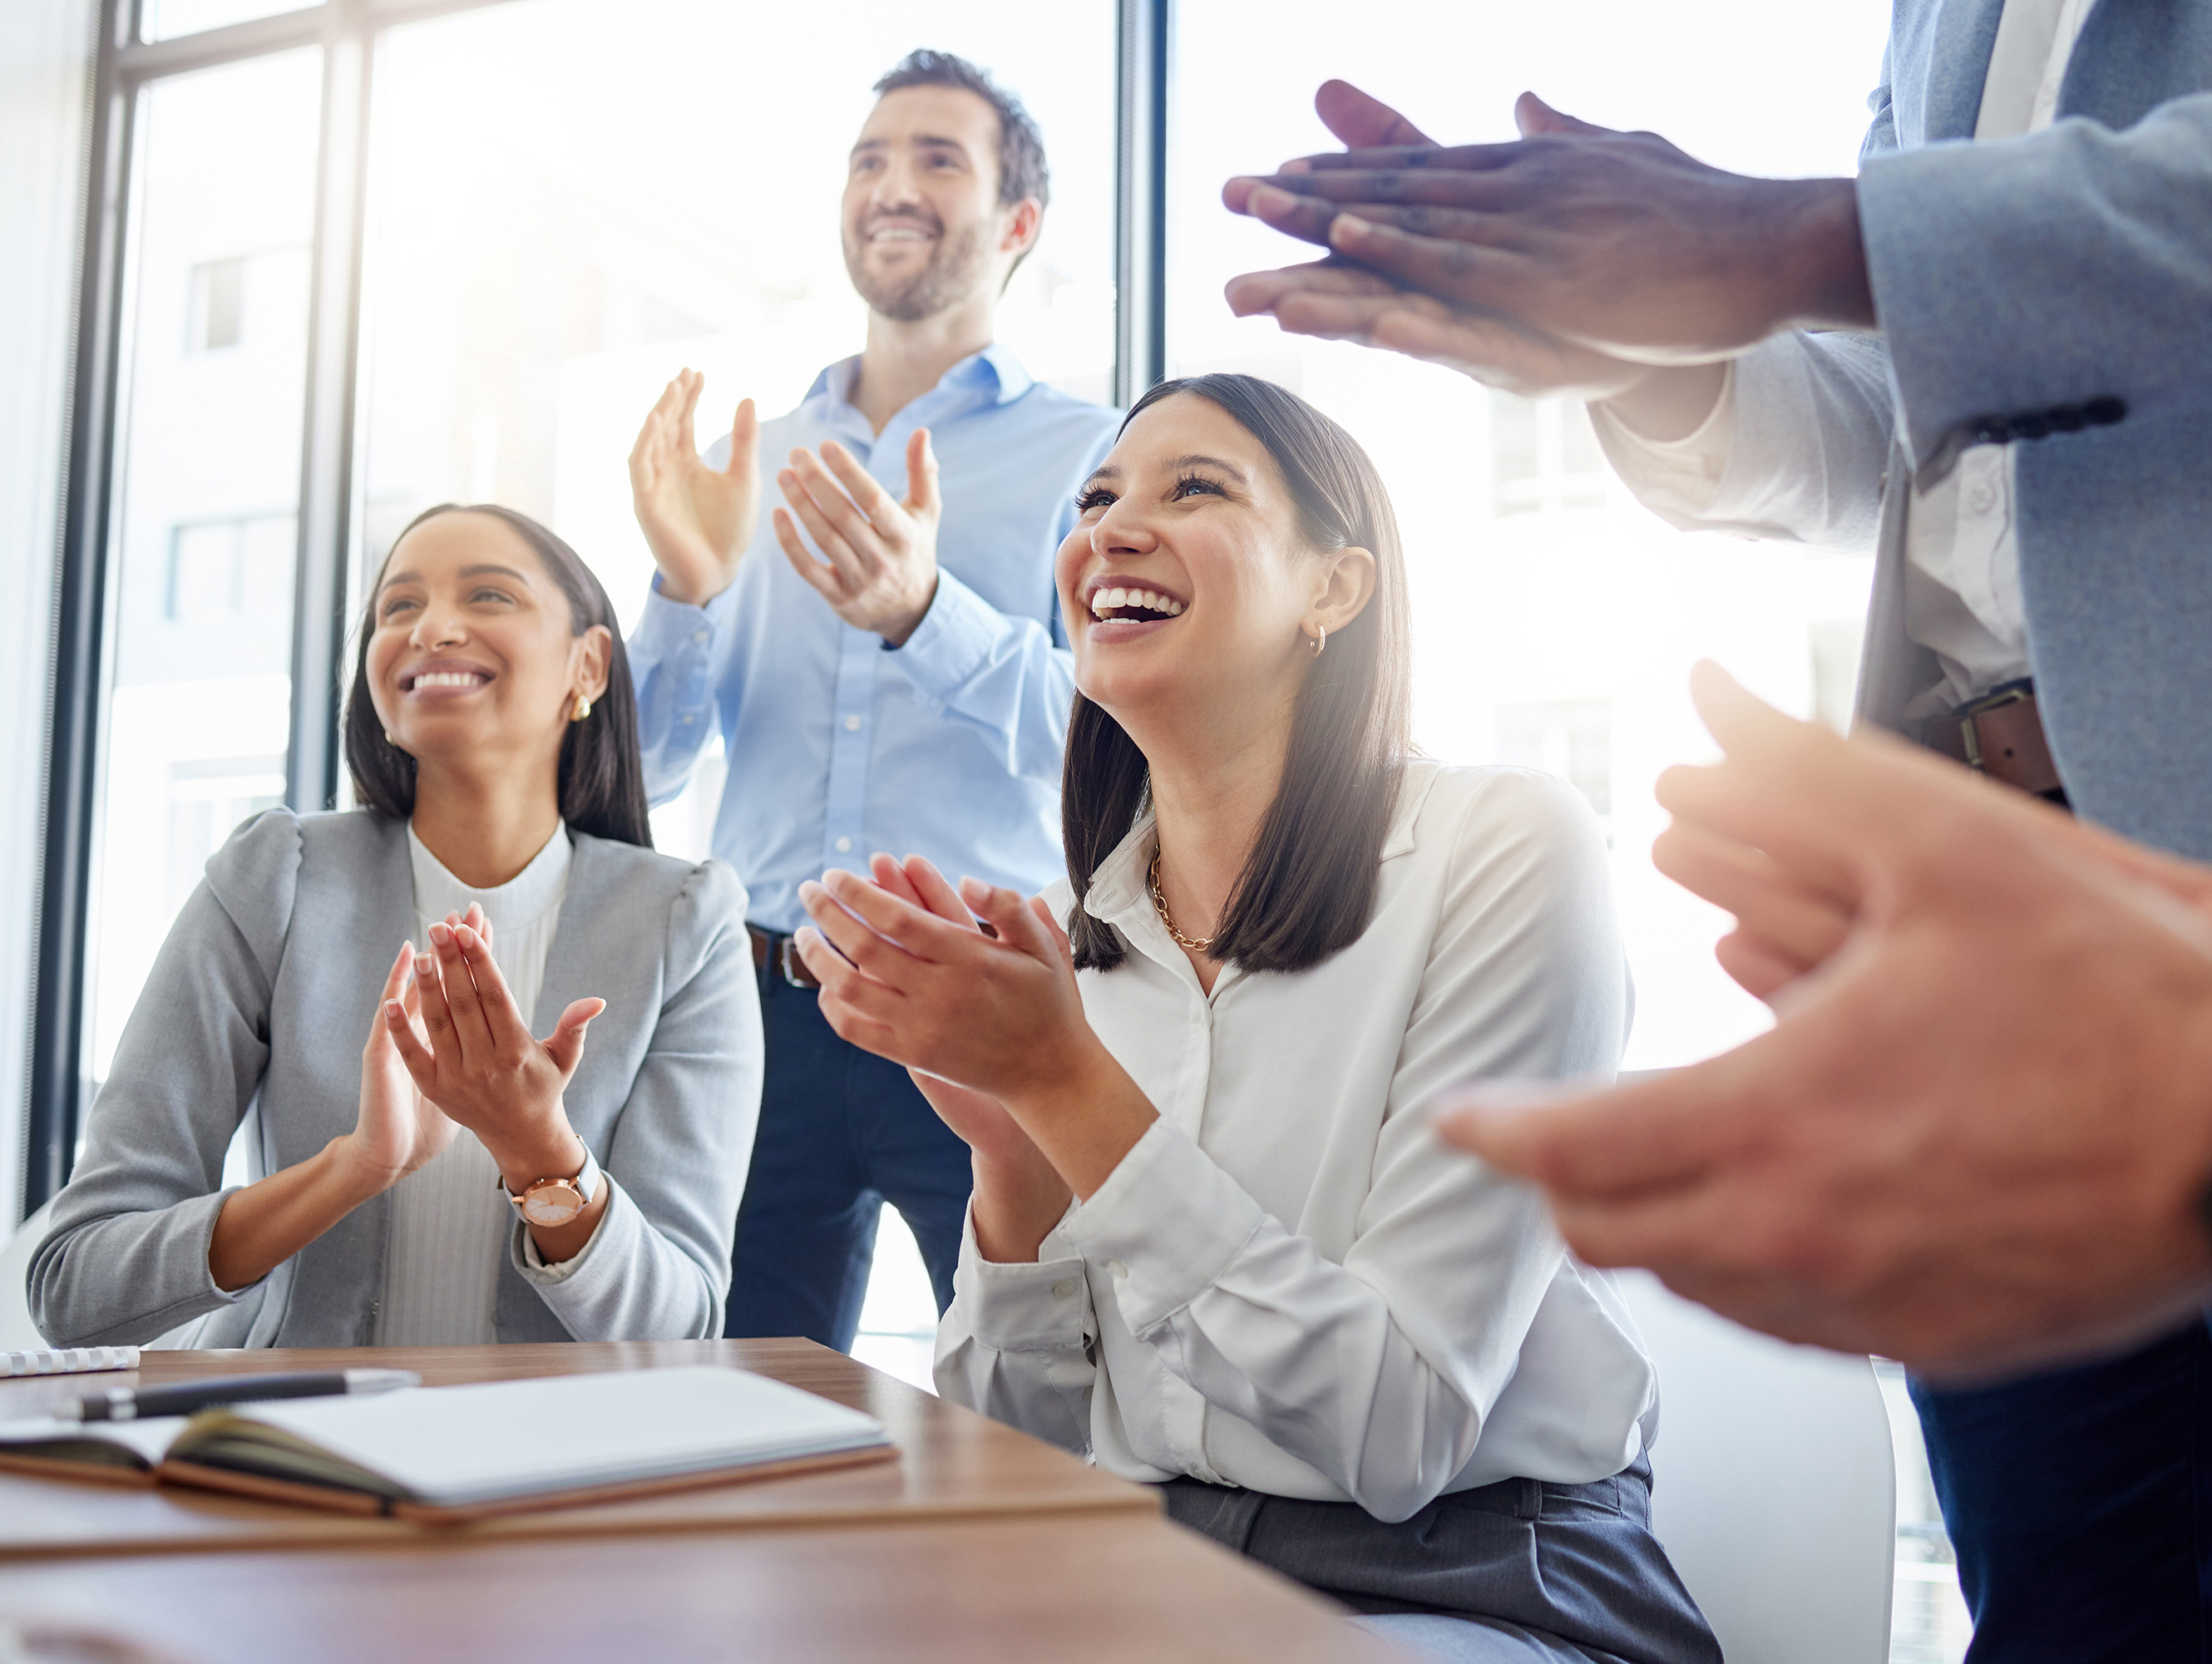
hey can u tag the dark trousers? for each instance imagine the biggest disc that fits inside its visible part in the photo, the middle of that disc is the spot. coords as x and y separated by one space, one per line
1573 1567
2080 1503
842 1133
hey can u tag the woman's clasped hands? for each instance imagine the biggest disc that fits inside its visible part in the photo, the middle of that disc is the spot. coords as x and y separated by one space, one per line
449 1047
975 991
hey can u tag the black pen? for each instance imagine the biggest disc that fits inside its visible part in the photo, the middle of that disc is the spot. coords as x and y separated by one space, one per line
139 1404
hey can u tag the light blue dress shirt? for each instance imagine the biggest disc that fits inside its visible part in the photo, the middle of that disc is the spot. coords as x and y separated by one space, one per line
838 746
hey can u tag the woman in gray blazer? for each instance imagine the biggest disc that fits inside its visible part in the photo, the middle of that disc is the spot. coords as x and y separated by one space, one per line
430 1173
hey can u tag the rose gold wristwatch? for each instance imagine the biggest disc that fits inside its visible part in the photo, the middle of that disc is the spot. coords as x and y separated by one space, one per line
556 1201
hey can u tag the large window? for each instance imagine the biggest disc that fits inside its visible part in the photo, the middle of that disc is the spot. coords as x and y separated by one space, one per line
356 258
204 537
1556 620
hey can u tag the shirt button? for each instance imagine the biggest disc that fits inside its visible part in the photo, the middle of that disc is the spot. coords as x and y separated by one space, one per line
688 717
1118 1269
699 636
1982 499
852 725
1064 1289
844 845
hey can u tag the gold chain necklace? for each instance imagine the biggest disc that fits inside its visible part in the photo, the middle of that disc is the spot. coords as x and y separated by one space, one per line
1194 944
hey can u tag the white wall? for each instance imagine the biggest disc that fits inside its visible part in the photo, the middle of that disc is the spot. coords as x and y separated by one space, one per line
46 60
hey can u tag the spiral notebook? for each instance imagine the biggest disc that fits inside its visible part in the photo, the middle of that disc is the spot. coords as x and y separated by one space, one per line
464 1453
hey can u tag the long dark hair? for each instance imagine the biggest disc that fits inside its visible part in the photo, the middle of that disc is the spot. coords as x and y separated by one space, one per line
1309 884
602 778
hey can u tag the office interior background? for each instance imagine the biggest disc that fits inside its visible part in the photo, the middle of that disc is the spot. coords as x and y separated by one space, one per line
277 278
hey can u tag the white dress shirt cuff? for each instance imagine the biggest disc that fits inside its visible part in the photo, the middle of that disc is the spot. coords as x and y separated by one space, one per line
952 643
1164 1226
1672 476
1023 1306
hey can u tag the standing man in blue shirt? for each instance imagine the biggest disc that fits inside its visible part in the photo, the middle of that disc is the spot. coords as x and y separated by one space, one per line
887 667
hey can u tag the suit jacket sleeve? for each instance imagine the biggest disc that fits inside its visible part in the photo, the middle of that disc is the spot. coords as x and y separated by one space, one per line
125 1258
658 1267
1982 255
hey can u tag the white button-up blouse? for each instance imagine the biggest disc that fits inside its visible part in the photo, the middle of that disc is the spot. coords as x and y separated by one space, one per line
1289 1284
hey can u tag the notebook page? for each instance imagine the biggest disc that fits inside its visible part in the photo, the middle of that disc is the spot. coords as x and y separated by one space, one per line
455 1445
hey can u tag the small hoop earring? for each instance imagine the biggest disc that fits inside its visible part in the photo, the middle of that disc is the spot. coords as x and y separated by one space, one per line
581 709
1320 640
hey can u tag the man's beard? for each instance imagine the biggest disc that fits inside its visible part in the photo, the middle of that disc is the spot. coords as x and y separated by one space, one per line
956 267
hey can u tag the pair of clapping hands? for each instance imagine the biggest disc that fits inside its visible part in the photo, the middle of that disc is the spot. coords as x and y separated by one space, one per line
1984 1111
879 570
449 1047
1576 260
973 990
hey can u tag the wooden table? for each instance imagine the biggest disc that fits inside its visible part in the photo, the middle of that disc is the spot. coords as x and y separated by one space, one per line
1068 1591
953 1463
980 1543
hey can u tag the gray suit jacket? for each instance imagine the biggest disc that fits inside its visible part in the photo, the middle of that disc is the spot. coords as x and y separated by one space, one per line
2029 290
261 1001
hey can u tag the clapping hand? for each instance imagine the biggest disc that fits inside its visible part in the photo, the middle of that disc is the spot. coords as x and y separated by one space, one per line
473 1057
878 572
697 520
991 1023
1977 1134
1338 301
1619 243
398 1130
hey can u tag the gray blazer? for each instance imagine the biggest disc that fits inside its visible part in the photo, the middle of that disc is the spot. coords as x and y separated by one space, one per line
260 1002
2019 283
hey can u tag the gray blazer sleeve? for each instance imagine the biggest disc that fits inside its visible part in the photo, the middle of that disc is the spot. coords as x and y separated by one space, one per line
127 1256
1981 255
658 1267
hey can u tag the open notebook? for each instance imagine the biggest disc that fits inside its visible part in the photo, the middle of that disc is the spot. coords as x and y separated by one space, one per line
461 1452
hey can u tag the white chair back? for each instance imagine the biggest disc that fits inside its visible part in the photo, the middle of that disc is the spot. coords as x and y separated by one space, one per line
1774 1486
17 1332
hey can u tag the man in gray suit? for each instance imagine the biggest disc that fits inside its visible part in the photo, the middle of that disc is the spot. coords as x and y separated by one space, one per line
1988 355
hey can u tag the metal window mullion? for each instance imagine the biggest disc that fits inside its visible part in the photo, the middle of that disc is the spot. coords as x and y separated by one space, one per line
80 610
318 590
1140 272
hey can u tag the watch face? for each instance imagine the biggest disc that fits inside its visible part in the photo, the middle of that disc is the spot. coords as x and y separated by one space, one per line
551 1202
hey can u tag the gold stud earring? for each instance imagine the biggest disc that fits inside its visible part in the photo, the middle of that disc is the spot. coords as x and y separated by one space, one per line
1320 640
581 709
388 739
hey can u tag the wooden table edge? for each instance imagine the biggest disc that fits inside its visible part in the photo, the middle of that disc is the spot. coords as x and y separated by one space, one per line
373 1533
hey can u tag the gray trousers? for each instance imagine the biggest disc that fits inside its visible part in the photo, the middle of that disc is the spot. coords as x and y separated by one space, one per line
1520 1570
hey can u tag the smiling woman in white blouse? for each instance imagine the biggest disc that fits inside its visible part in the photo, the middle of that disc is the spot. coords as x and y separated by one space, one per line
1213 1243
427 1171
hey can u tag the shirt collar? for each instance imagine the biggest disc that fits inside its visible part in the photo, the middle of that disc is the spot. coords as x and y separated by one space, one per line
994 372
519 903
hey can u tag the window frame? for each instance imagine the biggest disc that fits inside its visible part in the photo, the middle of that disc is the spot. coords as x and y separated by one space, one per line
347 31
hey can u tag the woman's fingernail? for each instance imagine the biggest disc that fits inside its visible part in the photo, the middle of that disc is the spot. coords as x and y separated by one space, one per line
1348 229
441 934
423 965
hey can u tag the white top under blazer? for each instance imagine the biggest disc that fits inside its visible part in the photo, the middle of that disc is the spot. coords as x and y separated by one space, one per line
1289 1284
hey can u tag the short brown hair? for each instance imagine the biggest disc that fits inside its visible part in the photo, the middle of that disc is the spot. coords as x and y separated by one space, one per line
1309 884
1022 171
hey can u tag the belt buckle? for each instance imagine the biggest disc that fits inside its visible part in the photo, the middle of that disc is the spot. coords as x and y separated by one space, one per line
1969 715
790 965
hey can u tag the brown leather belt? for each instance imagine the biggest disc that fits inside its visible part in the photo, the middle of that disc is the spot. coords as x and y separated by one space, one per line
770 946
2001 734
